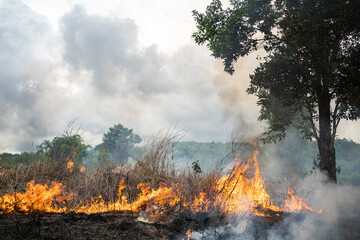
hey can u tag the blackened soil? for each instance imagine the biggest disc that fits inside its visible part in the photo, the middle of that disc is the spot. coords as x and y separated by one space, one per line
81 226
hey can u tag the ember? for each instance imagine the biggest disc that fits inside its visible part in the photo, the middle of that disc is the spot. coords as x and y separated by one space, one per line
70 165
188 235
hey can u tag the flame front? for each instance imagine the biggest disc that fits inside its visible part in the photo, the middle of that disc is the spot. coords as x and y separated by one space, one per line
37 198
239 193
296 204
235 192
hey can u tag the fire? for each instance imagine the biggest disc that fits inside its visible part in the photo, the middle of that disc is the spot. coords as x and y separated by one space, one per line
294 203
37 198
82 169
239 193
188 235
70 165
242 190
155 202
201 203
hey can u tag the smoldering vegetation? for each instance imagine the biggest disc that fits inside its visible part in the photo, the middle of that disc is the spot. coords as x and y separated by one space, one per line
158 164
153 169
293 162
339 217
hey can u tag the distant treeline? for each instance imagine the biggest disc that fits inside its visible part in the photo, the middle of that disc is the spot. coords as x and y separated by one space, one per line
298 158
290 160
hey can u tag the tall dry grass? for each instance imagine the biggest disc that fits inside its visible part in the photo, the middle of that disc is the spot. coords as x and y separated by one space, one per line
155 168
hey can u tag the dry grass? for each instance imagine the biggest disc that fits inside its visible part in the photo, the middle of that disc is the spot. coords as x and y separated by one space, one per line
154 168
41 172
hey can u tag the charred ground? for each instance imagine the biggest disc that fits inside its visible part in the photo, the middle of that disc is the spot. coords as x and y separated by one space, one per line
114 226
127 226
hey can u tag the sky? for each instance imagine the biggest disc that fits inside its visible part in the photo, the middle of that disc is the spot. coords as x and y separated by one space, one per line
100 63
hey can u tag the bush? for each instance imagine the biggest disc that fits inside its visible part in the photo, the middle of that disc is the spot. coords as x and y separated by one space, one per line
64 148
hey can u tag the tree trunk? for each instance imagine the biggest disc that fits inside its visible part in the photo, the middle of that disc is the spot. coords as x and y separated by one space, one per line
325 143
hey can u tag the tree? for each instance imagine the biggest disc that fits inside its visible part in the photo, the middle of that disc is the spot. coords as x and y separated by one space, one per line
64 148
118 141
196 167
13 161
310 76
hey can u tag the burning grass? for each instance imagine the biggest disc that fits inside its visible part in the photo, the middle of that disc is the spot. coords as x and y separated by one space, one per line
152 190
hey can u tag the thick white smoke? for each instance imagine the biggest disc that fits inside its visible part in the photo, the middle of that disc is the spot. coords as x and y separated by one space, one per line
340 214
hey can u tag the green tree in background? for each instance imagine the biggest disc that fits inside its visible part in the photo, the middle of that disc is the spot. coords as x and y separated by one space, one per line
310 76
64 148
196 167
118 142
13 161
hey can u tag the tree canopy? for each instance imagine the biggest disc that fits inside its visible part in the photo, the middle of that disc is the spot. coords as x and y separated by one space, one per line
64 148
118 141
310 76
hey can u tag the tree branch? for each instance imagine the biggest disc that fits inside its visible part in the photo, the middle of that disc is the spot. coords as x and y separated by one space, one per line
311 119
335 121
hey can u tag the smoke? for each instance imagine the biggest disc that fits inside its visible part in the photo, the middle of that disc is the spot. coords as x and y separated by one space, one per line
289 160
339 218
340 212
94 70
141 87
26 76
238 106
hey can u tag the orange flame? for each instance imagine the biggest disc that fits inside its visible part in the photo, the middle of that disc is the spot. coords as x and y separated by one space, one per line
201 203
156 202
236 192
70 165
37 198
188 235
294 203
